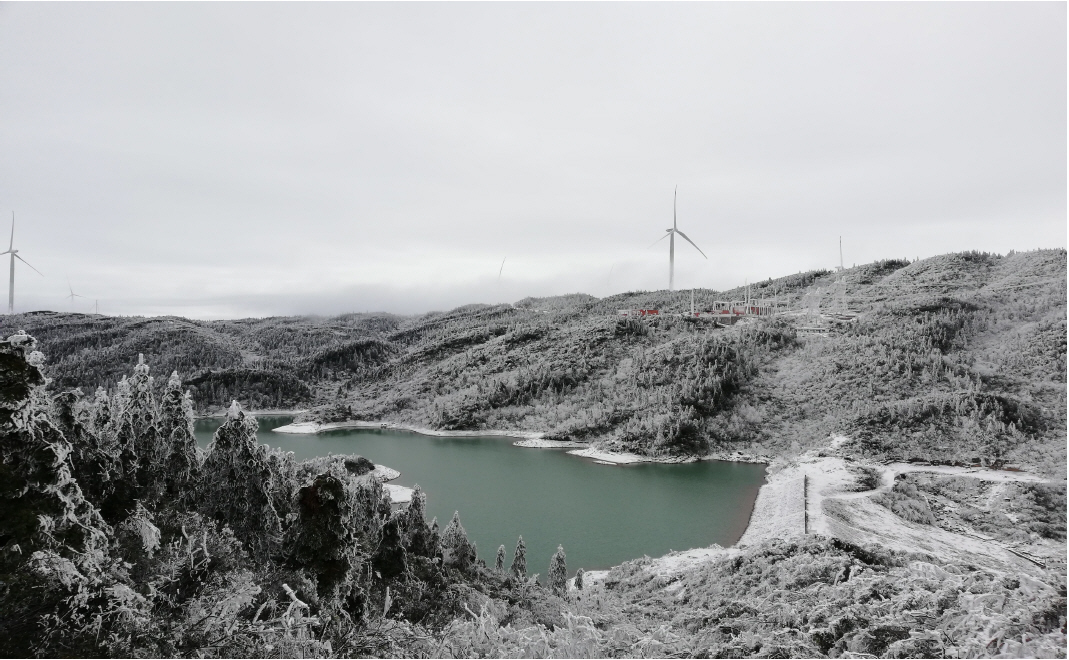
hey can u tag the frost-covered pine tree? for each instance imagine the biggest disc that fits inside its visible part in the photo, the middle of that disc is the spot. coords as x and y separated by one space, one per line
457 549
323 538
94 466
418 536
55 541
236 478
100 417
579 580
558 572
519 560
182 463
143 455
500 563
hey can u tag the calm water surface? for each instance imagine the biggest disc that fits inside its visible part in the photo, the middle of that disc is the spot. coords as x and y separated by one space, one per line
602 514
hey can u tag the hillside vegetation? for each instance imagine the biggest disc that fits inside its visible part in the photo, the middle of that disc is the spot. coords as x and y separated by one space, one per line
120 537
959 359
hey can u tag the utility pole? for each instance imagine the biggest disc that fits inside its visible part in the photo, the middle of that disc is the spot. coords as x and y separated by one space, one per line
840 254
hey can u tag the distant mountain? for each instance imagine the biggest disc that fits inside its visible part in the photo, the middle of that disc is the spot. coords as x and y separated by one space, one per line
959 358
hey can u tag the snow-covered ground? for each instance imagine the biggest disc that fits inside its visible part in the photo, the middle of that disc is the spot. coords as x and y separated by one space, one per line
385 473
399 494
806 495
254 413
309 428
541 443
796 498
779 511
615 458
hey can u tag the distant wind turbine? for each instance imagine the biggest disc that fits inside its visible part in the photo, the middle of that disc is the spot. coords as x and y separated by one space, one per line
72 295
501 270
671 234
14 255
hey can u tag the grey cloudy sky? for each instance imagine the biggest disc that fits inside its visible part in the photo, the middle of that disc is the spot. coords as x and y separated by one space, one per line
220 160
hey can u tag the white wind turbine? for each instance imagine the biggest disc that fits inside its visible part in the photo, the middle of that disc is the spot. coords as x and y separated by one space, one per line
672 243
72 294
14 255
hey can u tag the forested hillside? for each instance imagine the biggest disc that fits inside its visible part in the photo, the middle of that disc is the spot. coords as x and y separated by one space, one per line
120 537
959 358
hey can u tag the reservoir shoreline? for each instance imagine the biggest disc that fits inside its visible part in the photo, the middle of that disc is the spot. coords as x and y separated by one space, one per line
692 504
526 439
765 512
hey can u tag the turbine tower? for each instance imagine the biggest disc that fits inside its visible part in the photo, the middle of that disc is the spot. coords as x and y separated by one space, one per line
14 255
671 235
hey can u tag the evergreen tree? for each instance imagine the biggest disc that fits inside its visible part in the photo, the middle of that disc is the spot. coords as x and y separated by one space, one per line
519 560
236 478
92 465
579 580
100 416
558 572
419 538
390 559
500 563
143 454
123 497
458 551
176 429
55 544
323 538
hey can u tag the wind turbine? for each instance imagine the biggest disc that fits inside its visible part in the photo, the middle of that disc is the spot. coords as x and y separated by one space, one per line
72 295
671 235
14 255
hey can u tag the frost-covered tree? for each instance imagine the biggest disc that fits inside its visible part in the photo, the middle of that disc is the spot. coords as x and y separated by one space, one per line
558 572
419 538
519 560
93 463
182 462
235 483
499 564
457 550
142 453
391 559
54 542
100 415
579 580
323 538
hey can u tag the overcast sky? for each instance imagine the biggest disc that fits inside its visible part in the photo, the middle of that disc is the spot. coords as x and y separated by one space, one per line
221 160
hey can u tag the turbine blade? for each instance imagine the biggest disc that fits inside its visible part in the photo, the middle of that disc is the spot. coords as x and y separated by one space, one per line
660 239
691 242
28 264
675 195
501 270
11 246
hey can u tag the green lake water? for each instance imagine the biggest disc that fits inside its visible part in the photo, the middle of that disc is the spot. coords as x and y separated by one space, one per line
601 514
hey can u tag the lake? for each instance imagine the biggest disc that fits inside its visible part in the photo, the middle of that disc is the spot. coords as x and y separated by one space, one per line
601 514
